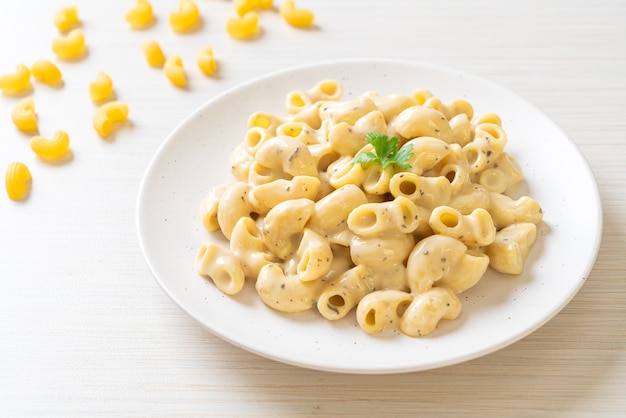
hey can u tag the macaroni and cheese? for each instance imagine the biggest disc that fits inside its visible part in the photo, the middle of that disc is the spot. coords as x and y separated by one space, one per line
385 206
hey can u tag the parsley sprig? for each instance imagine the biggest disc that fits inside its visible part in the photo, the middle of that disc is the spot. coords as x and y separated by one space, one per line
386 152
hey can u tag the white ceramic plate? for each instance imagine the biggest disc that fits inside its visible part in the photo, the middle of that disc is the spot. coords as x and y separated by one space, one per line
497 312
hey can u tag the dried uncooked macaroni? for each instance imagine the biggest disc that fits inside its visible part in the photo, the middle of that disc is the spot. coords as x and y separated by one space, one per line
313 229
186 17
52 148
69 46
17 81
23 115
174 71
101 88
153 53
141 15
206 61
46 72
17 181
108 114
300 18
244 26
66 18
244 6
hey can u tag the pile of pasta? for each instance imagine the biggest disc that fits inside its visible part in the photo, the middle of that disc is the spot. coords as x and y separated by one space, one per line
311 228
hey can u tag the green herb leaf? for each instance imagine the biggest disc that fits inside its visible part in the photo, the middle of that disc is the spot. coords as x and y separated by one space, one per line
386 152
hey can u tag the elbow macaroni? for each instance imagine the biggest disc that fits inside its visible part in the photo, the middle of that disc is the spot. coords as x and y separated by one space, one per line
247 244
221 266
186 17
475 229
23 115
108 114
101 88
70 46
46 72
382 309
244 6
153 53
509 249
206 61
17 81
243 27
394 245
66 18
53 148
141 15
427 309
300 18
17 181
174 71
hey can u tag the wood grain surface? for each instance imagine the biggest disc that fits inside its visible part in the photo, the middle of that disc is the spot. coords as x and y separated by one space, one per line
85 329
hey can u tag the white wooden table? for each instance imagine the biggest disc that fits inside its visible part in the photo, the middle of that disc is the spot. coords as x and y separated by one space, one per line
86 330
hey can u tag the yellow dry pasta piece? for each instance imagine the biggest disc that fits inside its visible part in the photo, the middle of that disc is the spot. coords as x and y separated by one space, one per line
185 17
66 18
101 88
15 82
243 27
153 53
206 61
69 46
53 148
107 114
300 18
23 115
244 6
141 15
17 180
46 72
174 71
